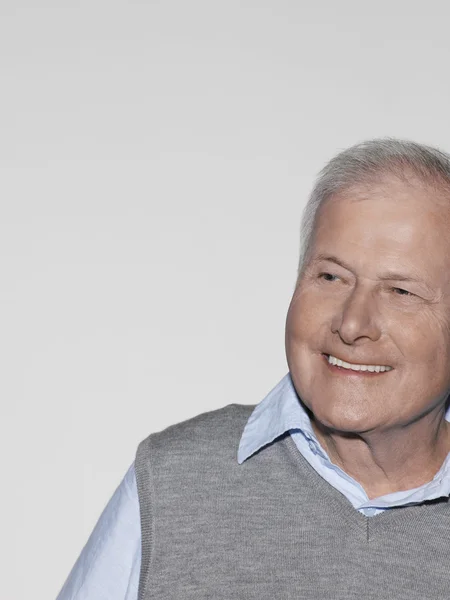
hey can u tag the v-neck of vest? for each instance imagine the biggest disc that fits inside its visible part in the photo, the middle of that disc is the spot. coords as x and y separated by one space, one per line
346 510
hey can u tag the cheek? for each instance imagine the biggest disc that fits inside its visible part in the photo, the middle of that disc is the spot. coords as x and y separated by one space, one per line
308 314
423 339
297 322
424 343
301 332
306 329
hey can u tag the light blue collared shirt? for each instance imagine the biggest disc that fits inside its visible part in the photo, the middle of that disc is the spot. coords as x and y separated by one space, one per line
109 565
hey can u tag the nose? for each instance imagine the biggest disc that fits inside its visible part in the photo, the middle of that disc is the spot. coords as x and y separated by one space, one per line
358 318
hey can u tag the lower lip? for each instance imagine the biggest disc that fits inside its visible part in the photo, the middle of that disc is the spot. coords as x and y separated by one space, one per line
351 372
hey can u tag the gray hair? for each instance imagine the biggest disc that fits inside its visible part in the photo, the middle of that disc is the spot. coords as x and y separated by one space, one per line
369 162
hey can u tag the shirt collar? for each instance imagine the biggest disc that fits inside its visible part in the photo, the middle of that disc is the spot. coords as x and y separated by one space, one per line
279 412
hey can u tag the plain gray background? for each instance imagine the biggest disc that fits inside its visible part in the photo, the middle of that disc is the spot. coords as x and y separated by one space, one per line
155 158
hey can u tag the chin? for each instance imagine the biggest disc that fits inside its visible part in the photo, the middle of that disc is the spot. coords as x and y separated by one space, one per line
347 420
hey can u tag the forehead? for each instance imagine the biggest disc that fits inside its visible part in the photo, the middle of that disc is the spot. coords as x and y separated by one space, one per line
388 221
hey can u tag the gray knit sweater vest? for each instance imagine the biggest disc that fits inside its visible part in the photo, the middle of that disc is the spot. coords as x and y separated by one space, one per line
272 528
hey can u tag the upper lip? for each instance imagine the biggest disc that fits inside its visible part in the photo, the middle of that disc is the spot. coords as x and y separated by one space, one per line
357 361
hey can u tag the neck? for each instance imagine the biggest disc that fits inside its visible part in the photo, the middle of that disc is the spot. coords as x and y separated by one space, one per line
389 461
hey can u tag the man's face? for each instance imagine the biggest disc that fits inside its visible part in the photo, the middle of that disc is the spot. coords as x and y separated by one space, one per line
375 293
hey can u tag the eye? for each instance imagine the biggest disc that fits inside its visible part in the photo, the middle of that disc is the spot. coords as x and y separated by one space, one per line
401 292
328 277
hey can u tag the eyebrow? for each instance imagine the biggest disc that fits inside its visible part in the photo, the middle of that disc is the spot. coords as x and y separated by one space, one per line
388 276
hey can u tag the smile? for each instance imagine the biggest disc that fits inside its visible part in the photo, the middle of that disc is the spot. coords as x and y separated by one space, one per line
333 360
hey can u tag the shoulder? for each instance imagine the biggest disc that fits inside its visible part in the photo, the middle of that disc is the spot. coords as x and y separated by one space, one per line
207 430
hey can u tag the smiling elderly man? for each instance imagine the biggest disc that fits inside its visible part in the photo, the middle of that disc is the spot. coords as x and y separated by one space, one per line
336 486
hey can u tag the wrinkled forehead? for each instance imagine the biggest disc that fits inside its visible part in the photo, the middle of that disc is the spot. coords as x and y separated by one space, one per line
418 196
386 219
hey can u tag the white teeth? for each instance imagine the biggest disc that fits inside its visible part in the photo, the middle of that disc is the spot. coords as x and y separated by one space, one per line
345 365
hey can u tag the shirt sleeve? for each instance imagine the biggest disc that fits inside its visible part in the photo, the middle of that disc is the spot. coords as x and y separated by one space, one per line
109 565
